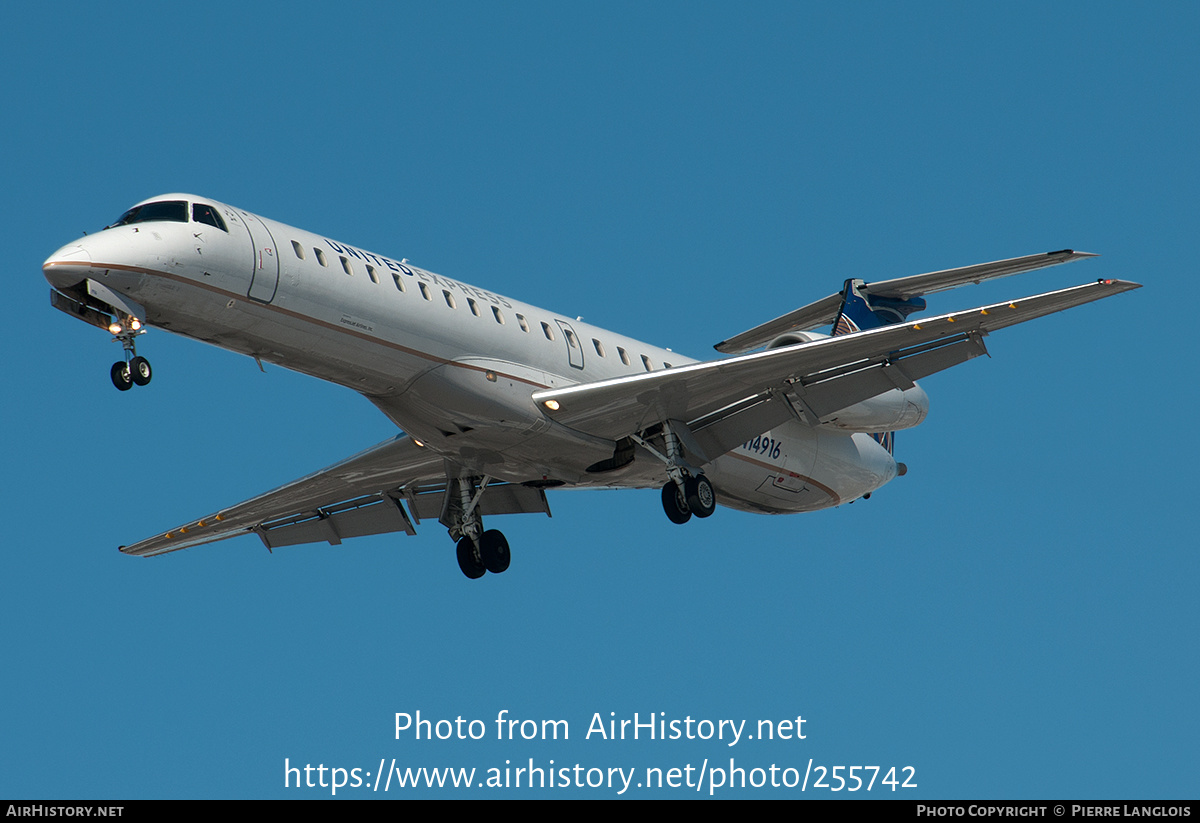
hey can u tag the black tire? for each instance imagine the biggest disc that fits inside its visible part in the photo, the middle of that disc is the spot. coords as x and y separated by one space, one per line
701 498
675 504
139 370
121 375
494 548
471 567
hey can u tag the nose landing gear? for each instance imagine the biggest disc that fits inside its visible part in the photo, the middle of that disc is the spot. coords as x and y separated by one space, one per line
133 369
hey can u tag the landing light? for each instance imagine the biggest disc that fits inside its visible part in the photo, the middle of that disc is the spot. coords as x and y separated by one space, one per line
135 324
115 328
552 405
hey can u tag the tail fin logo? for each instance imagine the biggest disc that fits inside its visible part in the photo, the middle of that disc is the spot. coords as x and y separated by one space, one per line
844 326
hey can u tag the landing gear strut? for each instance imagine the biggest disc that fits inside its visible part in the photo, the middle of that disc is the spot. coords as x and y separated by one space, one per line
133 369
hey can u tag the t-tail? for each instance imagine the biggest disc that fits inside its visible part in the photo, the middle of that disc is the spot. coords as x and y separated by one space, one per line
863 305
867 305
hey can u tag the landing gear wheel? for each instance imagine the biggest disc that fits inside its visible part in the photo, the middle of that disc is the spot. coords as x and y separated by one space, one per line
122 376
139 370
467 561
675 504
494 548
701 499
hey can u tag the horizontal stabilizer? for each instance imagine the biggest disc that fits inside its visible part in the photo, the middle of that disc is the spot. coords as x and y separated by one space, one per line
825 311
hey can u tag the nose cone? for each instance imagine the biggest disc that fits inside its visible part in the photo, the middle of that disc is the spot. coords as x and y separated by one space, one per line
67 266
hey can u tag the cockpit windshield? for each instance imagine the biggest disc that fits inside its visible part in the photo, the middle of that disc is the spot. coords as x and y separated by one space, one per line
174 211
204 213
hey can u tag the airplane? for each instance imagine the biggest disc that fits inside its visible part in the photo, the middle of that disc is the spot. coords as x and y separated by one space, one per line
497 400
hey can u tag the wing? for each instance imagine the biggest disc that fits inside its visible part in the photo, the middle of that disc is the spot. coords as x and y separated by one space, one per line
364 494
828 374
825 311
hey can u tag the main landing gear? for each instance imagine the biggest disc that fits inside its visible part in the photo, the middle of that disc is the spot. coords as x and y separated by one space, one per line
478 551
688 491
694 496
133 369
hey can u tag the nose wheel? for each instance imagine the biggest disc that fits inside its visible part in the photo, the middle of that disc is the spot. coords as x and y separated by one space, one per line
126 374
139 370
122 376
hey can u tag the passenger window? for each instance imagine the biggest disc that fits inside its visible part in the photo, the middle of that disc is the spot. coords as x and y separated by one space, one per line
449 299
203 213
424 291
499 317
474 307
549 332
346 265
298 249
523 324
624 355
399 282
646 363
666 365
371 274
599 347
321 257
570 338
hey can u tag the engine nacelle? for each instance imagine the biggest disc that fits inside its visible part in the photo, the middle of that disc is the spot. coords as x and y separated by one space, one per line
888 412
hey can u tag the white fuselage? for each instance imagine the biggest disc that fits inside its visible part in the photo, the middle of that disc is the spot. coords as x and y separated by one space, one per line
451 364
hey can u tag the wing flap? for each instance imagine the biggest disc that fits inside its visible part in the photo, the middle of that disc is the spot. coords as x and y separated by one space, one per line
829 395
616 408
377 514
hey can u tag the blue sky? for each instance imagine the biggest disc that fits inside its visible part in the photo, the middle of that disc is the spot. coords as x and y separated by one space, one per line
1015 618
